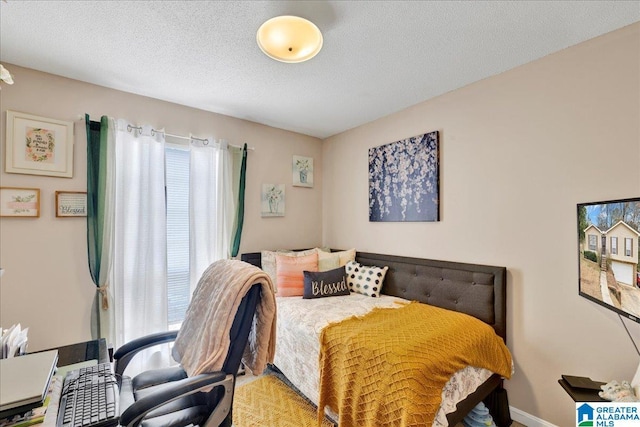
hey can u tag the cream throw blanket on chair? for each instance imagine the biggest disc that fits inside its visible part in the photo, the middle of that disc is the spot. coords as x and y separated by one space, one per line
203 341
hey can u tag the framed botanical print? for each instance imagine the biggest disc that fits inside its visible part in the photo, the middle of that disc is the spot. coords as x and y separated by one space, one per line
302 171
272 200
19 202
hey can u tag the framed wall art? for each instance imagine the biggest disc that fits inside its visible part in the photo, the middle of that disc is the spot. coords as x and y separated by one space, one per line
404 180
19 202
71 203
272 200
39 145
302 171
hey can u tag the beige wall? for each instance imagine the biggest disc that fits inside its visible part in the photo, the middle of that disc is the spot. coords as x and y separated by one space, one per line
46 285
514 151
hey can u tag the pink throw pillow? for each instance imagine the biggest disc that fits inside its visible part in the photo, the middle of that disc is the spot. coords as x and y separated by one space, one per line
289 272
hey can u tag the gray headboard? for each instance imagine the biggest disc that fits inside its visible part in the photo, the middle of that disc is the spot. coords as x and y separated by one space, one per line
478 290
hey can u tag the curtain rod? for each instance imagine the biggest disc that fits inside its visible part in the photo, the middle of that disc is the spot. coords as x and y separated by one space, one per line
204 140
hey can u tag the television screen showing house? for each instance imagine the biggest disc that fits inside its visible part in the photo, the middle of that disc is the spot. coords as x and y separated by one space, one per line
608 240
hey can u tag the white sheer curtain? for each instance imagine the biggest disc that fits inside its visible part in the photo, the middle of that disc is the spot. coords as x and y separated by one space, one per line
139 252
106 261
212 205
140 249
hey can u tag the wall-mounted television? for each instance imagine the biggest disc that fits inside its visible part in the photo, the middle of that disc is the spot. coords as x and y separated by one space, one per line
609 259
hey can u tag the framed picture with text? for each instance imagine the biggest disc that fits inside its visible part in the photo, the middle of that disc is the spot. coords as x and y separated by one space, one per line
39 145
71 203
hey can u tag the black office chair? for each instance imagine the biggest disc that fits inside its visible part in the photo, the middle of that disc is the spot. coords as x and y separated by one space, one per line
167 397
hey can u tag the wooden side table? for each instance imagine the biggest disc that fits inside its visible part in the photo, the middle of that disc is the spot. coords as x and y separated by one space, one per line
581 394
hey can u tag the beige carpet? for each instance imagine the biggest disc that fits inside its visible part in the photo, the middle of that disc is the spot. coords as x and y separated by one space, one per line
267 401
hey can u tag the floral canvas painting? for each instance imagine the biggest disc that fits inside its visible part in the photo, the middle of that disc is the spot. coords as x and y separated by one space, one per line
404 180
272 200
302 171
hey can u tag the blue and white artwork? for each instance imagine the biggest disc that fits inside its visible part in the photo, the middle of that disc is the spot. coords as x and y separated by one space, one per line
404 180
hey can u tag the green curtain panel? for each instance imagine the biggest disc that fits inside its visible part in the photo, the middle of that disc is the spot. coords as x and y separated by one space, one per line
240 210
94 231
96 182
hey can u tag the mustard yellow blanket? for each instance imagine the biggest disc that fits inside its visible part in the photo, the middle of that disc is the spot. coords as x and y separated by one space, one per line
388 368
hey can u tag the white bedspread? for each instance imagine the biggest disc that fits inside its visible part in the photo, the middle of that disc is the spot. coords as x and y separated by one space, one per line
298 328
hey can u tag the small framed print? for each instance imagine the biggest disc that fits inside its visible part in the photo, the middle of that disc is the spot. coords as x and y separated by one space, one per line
302 171
71 203
272 203
20 202
39 145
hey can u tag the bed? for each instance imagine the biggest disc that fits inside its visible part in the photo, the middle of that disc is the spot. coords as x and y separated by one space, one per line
477 290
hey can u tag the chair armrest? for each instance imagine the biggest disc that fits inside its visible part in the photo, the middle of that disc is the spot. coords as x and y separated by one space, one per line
124 354
135 413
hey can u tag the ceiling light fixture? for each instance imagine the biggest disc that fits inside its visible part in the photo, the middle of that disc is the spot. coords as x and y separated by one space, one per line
289 39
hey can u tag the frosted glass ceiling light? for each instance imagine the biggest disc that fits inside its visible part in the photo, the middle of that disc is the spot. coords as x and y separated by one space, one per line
289 39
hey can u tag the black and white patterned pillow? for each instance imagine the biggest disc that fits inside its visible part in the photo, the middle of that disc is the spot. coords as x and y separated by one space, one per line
365 280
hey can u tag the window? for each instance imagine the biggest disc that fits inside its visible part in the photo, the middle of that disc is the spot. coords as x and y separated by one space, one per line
614 245
593 242
177 193
628 247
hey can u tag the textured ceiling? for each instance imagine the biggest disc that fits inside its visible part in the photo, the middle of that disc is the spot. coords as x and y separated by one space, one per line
378 57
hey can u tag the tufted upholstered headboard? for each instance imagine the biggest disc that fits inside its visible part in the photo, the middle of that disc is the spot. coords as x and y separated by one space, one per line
478 290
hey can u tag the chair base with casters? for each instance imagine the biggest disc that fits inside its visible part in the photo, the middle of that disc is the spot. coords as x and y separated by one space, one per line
168 397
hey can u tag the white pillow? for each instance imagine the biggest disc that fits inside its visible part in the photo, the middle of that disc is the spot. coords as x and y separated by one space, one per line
346 256
365 280
328 260
342 257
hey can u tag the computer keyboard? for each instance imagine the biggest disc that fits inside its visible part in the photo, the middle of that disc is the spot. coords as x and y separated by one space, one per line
89 398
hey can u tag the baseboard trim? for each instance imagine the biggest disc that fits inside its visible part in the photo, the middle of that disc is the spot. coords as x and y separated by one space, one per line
527 419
